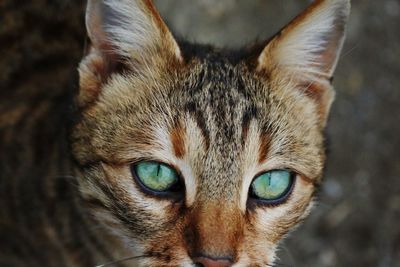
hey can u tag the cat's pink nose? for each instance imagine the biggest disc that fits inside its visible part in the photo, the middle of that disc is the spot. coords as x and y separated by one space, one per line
208 262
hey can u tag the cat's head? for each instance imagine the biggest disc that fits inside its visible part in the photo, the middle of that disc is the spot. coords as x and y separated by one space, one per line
192 155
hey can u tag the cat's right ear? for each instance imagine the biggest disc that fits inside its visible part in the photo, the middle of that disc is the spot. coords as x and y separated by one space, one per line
306 51
124 34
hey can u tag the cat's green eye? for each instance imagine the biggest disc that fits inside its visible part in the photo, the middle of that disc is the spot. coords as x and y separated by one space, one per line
155 176
273 186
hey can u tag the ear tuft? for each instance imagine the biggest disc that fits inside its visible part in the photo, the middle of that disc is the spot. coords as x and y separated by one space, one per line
127 28
306 51
124 34
308 48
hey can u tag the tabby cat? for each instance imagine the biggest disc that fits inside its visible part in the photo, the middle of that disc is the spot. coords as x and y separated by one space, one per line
178 154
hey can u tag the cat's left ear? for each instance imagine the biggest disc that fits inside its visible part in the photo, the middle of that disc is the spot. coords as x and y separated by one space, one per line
124 34
306 51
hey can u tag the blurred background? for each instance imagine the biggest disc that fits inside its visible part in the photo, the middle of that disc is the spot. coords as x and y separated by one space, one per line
357 220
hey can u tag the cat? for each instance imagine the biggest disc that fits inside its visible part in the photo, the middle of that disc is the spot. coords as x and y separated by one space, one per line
179 154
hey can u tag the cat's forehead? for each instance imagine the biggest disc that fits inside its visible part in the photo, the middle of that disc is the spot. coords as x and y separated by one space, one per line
216 99
213 114
221 87
221 91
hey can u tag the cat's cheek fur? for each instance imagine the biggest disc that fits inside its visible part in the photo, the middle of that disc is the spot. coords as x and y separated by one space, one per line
266 225
123 197
127 207
120 179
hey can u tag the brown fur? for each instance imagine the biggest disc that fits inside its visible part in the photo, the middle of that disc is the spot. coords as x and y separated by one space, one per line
178 137
264 147
219 117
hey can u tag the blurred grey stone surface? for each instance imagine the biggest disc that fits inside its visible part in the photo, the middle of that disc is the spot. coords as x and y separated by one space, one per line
357 219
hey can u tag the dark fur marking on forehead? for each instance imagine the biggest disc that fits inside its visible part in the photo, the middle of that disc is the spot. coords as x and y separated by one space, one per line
220 94
242 88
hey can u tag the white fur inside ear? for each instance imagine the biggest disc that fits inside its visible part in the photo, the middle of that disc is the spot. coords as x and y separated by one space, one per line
128 26
310 47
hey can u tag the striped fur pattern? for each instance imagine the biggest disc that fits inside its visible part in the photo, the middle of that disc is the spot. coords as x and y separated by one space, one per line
219 117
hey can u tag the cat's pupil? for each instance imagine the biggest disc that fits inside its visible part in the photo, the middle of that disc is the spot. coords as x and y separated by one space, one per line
155 176
272 185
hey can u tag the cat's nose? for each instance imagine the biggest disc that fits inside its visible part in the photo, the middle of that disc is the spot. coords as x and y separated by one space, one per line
208 262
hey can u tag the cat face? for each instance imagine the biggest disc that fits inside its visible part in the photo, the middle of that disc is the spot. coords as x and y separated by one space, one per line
193 156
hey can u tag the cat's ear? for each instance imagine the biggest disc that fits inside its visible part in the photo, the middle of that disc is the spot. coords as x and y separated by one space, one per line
306 51
123 34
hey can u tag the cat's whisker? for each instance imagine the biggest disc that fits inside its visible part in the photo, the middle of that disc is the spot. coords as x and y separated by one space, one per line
279 264
289 257
345 54
122 260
